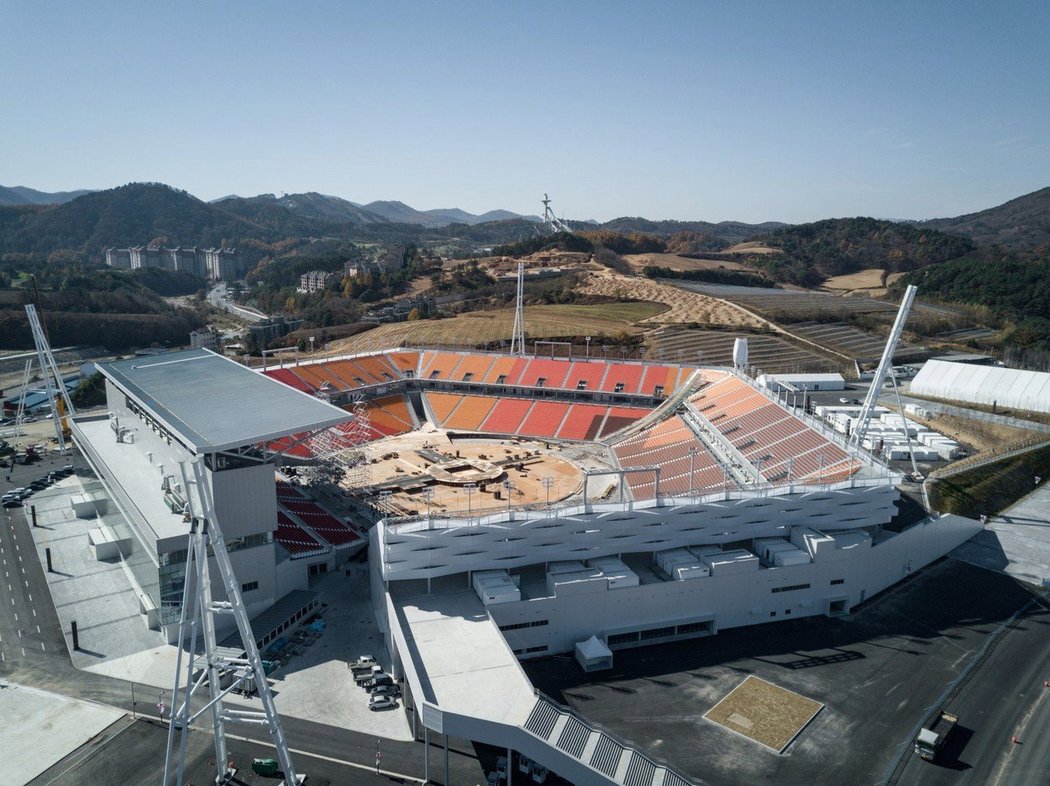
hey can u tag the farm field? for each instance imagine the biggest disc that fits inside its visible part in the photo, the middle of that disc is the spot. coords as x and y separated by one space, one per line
683 305
676 262
870 279
770 354
750 247
480 327
850 341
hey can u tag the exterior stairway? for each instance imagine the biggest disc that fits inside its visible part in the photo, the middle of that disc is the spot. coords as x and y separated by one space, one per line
597 749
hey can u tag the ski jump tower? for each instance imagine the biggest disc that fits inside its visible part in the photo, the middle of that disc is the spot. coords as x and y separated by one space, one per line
551 221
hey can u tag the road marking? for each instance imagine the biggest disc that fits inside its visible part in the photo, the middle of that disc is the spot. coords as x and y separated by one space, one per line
23 652
34 612
30 594
37 628
42 647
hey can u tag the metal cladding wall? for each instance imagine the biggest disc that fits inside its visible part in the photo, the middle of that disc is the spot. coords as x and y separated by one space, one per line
988 385
414 551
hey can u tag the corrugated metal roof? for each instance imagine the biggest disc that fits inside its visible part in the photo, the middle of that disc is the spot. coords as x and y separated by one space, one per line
213 403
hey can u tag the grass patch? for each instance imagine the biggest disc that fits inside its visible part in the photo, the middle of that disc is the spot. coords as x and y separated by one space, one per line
989 489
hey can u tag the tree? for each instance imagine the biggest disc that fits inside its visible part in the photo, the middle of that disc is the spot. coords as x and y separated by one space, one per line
413 315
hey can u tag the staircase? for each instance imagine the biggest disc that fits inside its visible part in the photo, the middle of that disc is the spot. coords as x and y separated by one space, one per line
596 748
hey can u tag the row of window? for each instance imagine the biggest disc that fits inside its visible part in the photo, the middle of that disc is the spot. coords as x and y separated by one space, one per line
531 650
520 625
790 588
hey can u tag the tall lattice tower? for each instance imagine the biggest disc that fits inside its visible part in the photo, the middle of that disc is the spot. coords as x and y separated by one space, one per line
517 338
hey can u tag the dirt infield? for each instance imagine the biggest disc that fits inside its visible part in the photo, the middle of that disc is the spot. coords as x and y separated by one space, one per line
682 305
765 713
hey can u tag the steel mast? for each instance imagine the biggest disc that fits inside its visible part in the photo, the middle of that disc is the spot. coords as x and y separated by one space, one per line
205 532
884 368
49 370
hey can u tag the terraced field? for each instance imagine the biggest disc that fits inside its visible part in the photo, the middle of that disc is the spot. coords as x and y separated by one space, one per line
768 353
482 327
850 341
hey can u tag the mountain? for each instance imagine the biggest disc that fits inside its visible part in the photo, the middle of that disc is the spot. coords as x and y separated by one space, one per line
20 195
132 215
1021 223
310 206
730 231
809 253
401 213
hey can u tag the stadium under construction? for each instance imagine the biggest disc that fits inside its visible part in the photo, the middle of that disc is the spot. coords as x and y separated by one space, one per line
512 507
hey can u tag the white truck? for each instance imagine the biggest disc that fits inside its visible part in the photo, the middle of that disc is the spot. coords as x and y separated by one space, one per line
931 737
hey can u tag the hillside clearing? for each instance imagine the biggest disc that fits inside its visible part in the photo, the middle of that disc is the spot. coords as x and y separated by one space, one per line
682 305
677 262
750 247
865 279
481 327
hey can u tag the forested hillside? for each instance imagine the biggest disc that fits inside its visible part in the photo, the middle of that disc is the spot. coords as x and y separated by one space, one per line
1020 223
809 253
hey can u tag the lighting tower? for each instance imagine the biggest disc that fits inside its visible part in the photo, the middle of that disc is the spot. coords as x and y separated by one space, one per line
52 377
206 534
517 338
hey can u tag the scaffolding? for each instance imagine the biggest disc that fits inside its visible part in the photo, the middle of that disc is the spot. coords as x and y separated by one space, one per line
342 445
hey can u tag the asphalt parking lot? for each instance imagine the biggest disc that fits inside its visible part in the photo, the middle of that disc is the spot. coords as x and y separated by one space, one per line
876 671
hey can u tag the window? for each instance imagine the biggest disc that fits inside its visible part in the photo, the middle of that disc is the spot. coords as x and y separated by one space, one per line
837 581
468 376
623 638
619 387
542 648
251 585
658 390
541 381
501 379
434 375
657 633
581 385
359 381
520 625
790 588
772 614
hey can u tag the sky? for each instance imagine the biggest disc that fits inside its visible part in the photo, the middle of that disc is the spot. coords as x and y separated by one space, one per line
747 111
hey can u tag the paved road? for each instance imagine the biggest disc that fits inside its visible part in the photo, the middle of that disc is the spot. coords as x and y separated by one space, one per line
216 296
1004 697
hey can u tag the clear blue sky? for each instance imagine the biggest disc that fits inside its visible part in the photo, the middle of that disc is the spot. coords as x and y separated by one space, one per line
790 111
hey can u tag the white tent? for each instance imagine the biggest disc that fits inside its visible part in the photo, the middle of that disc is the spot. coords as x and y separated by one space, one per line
593 655
988 385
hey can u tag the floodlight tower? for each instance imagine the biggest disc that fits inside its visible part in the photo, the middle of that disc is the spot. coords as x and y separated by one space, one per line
206 535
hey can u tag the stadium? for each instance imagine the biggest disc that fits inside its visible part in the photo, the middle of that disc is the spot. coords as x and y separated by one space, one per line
512 507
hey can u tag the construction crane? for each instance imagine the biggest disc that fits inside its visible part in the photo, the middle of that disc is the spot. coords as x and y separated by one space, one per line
885 367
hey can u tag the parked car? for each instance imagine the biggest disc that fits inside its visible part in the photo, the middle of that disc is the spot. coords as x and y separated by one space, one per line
363 676
20 492
385 689
69 469
381 702
14 502
377 680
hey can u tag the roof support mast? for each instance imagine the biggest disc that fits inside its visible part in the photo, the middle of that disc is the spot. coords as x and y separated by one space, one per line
884 368
52 376
517 338
205 532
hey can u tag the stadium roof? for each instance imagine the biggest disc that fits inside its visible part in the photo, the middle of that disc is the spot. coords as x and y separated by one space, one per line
213 403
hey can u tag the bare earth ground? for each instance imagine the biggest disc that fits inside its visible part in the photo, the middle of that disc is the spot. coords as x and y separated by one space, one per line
868 281
750 247
676 262
976 433
480 327
683 306
764 712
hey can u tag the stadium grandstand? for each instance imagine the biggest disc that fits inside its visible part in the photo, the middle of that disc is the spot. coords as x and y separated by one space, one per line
522 506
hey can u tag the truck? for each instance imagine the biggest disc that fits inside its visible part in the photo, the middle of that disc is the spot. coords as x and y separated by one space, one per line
932 736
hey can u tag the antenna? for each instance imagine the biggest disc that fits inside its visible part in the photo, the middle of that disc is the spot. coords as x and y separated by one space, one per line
517 338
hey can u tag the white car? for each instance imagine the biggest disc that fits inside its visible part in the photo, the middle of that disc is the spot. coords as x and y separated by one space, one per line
381 702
